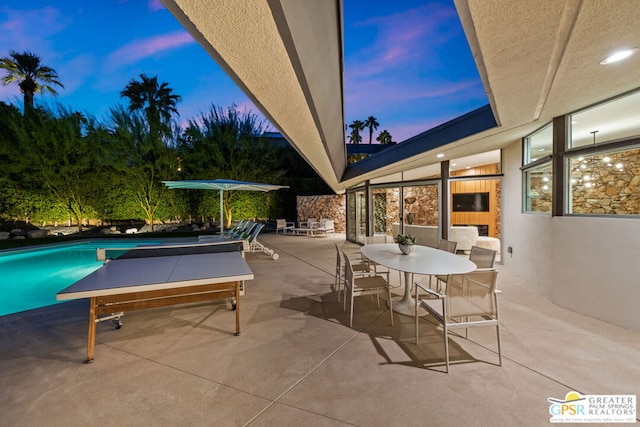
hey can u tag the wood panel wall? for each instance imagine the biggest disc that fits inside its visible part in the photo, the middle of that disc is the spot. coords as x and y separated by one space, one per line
491 218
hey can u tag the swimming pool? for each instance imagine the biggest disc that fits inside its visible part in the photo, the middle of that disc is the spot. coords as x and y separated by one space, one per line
30 278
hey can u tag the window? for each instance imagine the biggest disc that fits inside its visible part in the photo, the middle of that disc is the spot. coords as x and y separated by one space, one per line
611 121
538 188
606 183
538 145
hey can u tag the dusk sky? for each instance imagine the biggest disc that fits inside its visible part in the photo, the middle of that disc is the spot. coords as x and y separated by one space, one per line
406 62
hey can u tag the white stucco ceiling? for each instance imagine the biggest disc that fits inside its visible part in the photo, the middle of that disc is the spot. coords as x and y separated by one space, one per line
537 59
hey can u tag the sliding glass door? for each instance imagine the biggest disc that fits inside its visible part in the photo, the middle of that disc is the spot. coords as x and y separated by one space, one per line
356 215
410 209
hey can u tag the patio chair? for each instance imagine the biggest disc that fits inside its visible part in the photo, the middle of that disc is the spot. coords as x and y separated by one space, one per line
360 267
483 258
282 224
470 300
308 223
447 245
379 269
256 246
325 227
244 232
364 285
239 226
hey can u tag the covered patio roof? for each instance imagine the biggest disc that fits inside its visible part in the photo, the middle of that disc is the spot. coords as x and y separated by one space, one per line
537 60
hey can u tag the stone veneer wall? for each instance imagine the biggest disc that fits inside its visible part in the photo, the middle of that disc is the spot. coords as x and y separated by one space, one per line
332 207
606 183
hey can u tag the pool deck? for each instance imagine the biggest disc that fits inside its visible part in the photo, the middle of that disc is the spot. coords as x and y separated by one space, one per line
298 363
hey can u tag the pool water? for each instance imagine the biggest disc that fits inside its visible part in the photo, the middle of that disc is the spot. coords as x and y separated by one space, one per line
30 278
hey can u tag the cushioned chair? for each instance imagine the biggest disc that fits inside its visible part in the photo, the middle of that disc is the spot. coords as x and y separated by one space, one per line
470 300
364 285
325 226
309 223
282 224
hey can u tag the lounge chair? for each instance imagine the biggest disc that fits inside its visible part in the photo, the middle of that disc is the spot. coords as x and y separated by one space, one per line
256 246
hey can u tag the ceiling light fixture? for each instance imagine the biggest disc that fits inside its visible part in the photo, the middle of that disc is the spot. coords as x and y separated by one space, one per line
618 56
440 155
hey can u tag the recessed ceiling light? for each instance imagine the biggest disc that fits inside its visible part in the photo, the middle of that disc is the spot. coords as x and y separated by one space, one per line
453 164
440 155
618 56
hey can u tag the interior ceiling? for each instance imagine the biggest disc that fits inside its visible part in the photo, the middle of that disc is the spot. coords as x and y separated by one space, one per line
537 59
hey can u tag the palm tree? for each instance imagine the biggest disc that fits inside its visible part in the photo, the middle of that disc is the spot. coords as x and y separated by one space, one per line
372 124
384 137
33 77
355 137
356 126
156 100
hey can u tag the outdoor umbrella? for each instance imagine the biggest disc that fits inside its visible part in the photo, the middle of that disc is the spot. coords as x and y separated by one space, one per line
221 185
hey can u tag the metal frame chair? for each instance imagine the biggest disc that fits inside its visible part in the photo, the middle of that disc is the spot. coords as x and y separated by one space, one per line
448 245
360 267
470 300
365 285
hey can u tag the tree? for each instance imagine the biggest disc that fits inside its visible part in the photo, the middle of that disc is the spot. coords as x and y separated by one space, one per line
32 77
156 100
384 137
356 127
150 159
228 144
354 137
372 124
142 159
59 153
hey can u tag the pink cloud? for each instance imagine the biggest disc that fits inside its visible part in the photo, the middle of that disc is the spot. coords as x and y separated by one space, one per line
362 95
402 38
140 49
31 30
155 5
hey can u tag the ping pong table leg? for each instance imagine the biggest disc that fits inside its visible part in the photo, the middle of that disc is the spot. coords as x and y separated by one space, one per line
91 340
238 307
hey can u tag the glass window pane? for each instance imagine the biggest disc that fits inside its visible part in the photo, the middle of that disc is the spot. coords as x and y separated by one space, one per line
386 210
606 183
538 188
421 213
538 145
611 121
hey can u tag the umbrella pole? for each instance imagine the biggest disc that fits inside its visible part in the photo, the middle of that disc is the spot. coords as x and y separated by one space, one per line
221 214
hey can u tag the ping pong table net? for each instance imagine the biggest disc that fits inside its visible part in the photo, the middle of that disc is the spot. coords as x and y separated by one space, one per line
147 251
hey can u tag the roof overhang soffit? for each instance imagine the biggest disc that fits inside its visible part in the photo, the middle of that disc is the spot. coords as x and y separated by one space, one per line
287 56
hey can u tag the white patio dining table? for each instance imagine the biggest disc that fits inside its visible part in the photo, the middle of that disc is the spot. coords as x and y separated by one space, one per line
423 260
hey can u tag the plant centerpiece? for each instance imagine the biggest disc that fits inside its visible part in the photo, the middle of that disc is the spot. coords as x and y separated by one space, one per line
405 243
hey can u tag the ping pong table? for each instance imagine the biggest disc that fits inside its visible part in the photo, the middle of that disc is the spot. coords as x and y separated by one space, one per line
161 275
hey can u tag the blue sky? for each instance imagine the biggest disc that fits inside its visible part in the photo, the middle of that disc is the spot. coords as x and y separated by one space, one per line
406 62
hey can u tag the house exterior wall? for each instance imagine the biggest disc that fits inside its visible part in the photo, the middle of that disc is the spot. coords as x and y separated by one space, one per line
587 264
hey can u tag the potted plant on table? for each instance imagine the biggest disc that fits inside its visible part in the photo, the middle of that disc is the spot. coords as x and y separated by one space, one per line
405 243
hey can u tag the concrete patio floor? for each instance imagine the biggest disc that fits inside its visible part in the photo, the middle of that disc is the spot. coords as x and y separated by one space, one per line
297 363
